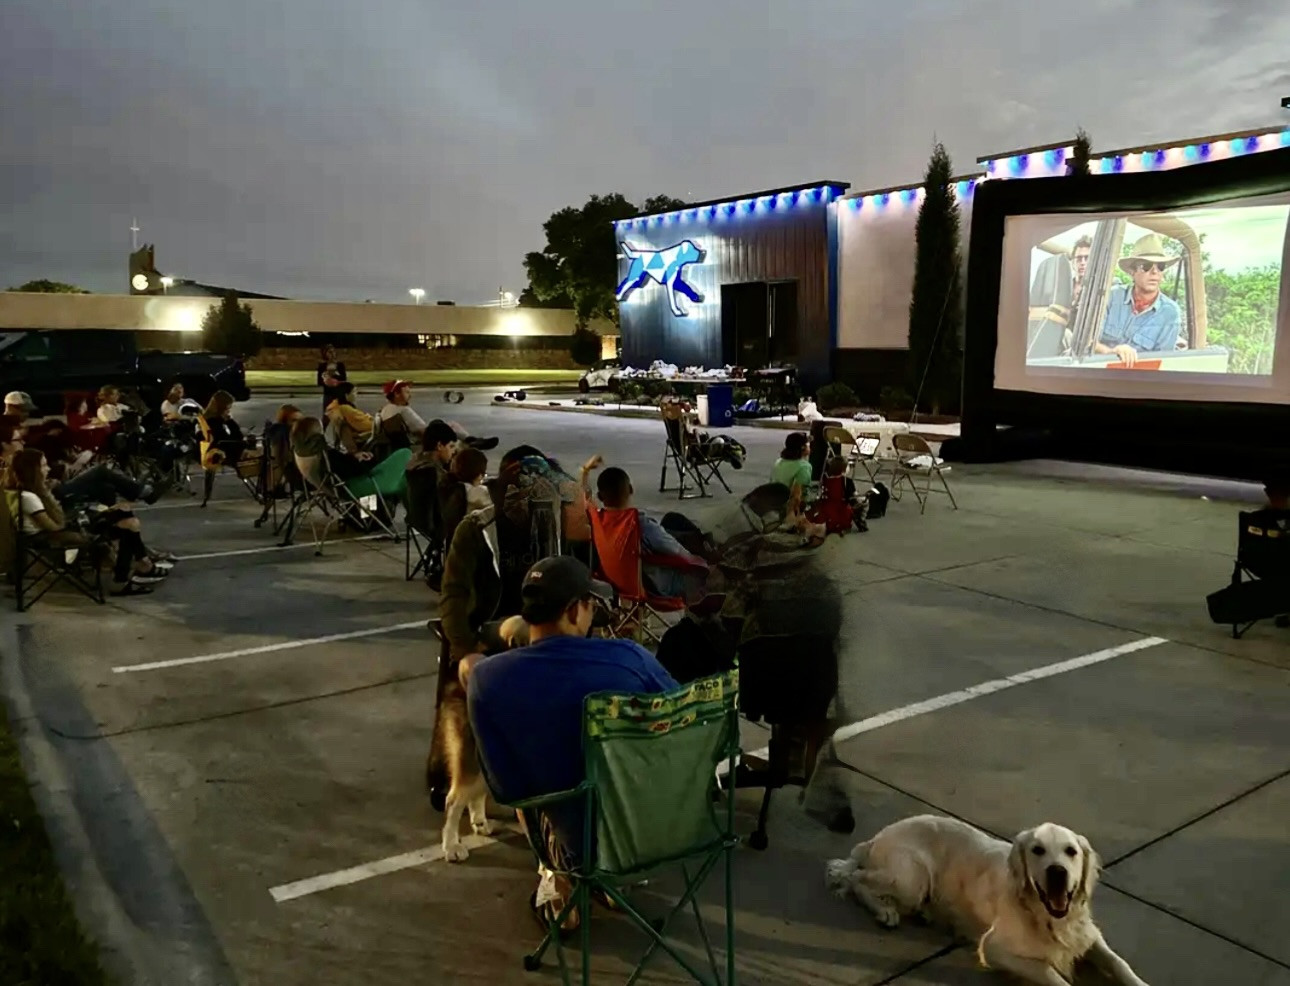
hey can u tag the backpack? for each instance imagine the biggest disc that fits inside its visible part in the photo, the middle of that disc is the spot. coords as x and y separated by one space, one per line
877 499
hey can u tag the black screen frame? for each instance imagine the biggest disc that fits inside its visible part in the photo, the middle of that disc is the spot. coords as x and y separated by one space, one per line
1229 439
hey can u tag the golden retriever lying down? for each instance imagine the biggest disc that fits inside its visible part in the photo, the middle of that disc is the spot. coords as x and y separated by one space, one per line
1026 905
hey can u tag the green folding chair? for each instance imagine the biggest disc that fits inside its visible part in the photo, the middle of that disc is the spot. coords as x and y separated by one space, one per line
650 803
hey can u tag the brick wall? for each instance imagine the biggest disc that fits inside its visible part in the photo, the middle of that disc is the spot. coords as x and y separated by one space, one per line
418 359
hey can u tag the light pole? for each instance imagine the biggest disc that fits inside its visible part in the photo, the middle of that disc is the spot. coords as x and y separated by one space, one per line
165 284
505 299
417 293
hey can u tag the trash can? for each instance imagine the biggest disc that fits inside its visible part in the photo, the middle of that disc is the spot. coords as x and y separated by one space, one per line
720 405
701 409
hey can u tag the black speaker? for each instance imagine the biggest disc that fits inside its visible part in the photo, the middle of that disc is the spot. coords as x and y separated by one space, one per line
1248 602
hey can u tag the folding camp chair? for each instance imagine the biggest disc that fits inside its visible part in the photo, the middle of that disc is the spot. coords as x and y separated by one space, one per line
616 538
693 461
40 563
247 468
914 458
324 493
421 523
278 478
1260 586
862 451
649 803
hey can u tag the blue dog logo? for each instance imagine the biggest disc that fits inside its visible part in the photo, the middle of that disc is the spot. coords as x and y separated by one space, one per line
664 266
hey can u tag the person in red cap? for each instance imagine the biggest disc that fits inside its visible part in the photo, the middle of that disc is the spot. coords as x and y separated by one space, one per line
398 404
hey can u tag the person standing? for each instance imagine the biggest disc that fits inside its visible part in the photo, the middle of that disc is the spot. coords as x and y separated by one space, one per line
331 374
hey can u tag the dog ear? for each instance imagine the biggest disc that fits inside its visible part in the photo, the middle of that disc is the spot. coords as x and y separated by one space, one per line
1017 863
1092 868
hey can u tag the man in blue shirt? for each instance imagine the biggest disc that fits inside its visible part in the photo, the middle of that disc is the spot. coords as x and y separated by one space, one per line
526 704
1141 318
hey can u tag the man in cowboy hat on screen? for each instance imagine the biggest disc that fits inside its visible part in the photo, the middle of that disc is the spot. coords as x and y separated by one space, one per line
1141 318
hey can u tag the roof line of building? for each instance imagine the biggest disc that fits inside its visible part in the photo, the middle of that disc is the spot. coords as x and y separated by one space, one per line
787 189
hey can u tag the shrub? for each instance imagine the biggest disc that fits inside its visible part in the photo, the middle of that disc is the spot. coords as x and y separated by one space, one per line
835 395
584 347
895 399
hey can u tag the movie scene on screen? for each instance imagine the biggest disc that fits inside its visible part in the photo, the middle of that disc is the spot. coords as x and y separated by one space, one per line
1193 290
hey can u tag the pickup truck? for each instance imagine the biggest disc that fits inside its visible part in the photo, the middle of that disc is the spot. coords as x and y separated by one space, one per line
48 363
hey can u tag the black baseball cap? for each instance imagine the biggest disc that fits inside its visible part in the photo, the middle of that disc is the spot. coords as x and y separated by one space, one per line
554 584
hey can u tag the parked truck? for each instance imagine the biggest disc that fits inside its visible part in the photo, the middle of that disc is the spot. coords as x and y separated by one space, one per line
48 363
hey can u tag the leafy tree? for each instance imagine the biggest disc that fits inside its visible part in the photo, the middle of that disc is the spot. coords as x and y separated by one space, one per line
577 269
230 328
936 308
43 286
1080 154
584 347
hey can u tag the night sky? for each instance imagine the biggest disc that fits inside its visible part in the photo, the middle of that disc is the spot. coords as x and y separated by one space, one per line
341 150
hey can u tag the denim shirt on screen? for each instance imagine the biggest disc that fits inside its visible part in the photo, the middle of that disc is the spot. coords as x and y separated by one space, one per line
1154 330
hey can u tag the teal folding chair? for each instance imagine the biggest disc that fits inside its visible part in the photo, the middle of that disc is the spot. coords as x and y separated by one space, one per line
650 803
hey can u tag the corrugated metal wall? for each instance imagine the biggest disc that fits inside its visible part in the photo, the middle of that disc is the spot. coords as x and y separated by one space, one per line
787 242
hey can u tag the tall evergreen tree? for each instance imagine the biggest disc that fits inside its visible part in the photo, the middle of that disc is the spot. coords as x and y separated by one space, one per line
936 308
1080 154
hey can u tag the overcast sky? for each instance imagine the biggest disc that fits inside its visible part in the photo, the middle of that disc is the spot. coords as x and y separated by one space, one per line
329 149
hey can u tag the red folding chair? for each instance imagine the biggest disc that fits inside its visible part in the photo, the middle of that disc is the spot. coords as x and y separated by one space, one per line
616 540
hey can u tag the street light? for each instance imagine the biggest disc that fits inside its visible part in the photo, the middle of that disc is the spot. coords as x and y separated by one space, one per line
165 284
417 293
505 299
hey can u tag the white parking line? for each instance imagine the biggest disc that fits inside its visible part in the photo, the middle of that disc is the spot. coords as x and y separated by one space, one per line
180 662
274 547
984 688
431 854
391 864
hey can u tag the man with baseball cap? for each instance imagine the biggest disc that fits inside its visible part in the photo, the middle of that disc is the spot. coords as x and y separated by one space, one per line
526 704
1140 318
19 404
398 404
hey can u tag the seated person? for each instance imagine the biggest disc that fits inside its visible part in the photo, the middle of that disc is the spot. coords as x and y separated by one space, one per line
226 433
27 493
111 407
793 469
658 539
18 404
308 440
398 400
172 408
351 425
526 704
467 470
839 505
438 445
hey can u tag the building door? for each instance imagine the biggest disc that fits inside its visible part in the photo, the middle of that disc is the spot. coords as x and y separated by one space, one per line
745 324
758 323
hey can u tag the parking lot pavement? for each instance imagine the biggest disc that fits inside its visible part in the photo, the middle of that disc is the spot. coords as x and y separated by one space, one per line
246 746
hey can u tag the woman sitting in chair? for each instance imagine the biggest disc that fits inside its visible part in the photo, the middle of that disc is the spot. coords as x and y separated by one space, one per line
793 469
351 425
225 433
386 475
27 493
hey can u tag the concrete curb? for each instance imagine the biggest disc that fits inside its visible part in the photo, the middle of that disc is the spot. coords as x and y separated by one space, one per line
178 953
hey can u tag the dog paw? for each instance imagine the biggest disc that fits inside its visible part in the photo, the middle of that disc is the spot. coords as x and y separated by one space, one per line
483 828
886 915
837 876
455 854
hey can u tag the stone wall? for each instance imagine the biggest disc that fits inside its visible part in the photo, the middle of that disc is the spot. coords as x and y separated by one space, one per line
300 358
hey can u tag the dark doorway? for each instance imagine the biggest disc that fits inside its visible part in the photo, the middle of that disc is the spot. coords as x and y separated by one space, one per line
758 322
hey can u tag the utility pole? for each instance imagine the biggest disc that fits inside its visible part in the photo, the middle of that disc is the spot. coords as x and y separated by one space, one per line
134 235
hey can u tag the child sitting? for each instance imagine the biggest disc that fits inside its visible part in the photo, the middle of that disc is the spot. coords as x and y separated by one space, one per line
839 505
